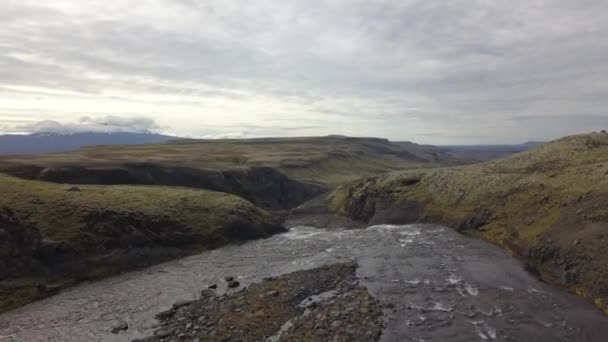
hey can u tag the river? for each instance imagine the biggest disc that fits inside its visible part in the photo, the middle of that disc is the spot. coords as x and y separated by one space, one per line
436 284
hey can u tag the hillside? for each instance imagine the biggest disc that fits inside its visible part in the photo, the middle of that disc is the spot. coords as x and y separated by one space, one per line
275 173
549 206
18 144
52 236
481 153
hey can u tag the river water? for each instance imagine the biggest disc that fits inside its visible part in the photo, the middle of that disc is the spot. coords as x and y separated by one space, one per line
436 284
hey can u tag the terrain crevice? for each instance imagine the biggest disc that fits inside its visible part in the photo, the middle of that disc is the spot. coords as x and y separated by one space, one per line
547 206
265 187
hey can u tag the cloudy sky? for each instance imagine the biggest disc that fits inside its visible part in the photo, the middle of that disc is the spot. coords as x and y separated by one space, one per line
454 71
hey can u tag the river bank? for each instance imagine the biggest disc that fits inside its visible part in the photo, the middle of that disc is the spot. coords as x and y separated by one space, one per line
432 283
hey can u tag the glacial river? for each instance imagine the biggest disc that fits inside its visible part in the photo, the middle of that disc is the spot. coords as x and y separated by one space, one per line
436 285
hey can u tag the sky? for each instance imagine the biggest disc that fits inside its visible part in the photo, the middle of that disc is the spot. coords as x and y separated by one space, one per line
439 72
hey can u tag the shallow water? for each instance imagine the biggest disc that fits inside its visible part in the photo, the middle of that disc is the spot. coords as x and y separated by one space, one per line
437 285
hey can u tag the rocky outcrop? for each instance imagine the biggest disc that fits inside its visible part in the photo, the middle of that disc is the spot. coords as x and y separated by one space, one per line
322 304
20 246
263 186
547 206
110 242
24 251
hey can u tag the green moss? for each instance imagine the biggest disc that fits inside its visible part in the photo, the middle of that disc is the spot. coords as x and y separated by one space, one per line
556 192
330 161
60 213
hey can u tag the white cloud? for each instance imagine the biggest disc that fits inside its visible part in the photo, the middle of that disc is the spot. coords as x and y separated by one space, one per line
108 124
460 71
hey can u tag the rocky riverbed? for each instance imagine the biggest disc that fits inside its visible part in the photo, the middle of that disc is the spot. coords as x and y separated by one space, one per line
322 304
431 284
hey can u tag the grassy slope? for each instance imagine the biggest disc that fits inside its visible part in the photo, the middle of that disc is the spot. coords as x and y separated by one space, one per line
548 206
327 160
60 213
64 217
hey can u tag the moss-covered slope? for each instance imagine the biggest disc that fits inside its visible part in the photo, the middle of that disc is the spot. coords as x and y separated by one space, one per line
327 161
549 206
53 235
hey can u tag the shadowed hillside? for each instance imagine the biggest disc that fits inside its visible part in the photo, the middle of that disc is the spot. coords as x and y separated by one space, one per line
53 235
275 173
548 206
481 153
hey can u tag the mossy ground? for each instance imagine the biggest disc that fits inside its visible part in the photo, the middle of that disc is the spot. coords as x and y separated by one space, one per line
326 160
548 206
60 213
65 217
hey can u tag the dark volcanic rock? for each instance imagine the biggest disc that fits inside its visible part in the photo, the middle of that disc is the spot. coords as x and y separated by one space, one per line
264 186
233 284
323 304
476 220
112 241
120 327
20 246
113 230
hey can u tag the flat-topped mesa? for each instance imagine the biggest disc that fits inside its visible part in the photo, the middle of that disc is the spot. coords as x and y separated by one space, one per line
274 173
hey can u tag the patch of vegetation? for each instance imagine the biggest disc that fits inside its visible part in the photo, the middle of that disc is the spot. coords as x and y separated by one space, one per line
329 161
549 206
60 213
60 234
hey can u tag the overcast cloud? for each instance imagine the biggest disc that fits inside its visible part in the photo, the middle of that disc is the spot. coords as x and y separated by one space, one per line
457 71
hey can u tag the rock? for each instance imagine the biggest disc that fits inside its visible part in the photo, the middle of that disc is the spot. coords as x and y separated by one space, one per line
229 279
212 287
165 314
351 314
233 284
476 220
120 327
181 303
569 277
577 242
52 288
73 188
389 306
163 332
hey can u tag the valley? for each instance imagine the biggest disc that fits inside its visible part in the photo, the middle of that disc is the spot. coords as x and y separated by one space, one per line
427 282
253 209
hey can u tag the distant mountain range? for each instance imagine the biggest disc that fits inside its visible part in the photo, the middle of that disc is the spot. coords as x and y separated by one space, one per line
477 153
16 144
41 143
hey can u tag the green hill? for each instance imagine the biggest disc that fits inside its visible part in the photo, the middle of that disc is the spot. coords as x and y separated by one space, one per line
548 206
54 235
328 160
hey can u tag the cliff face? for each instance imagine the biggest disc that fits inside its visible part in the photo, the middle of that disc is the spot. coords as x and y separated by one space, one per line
548 206
214 164
20 247
263 186
52 236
